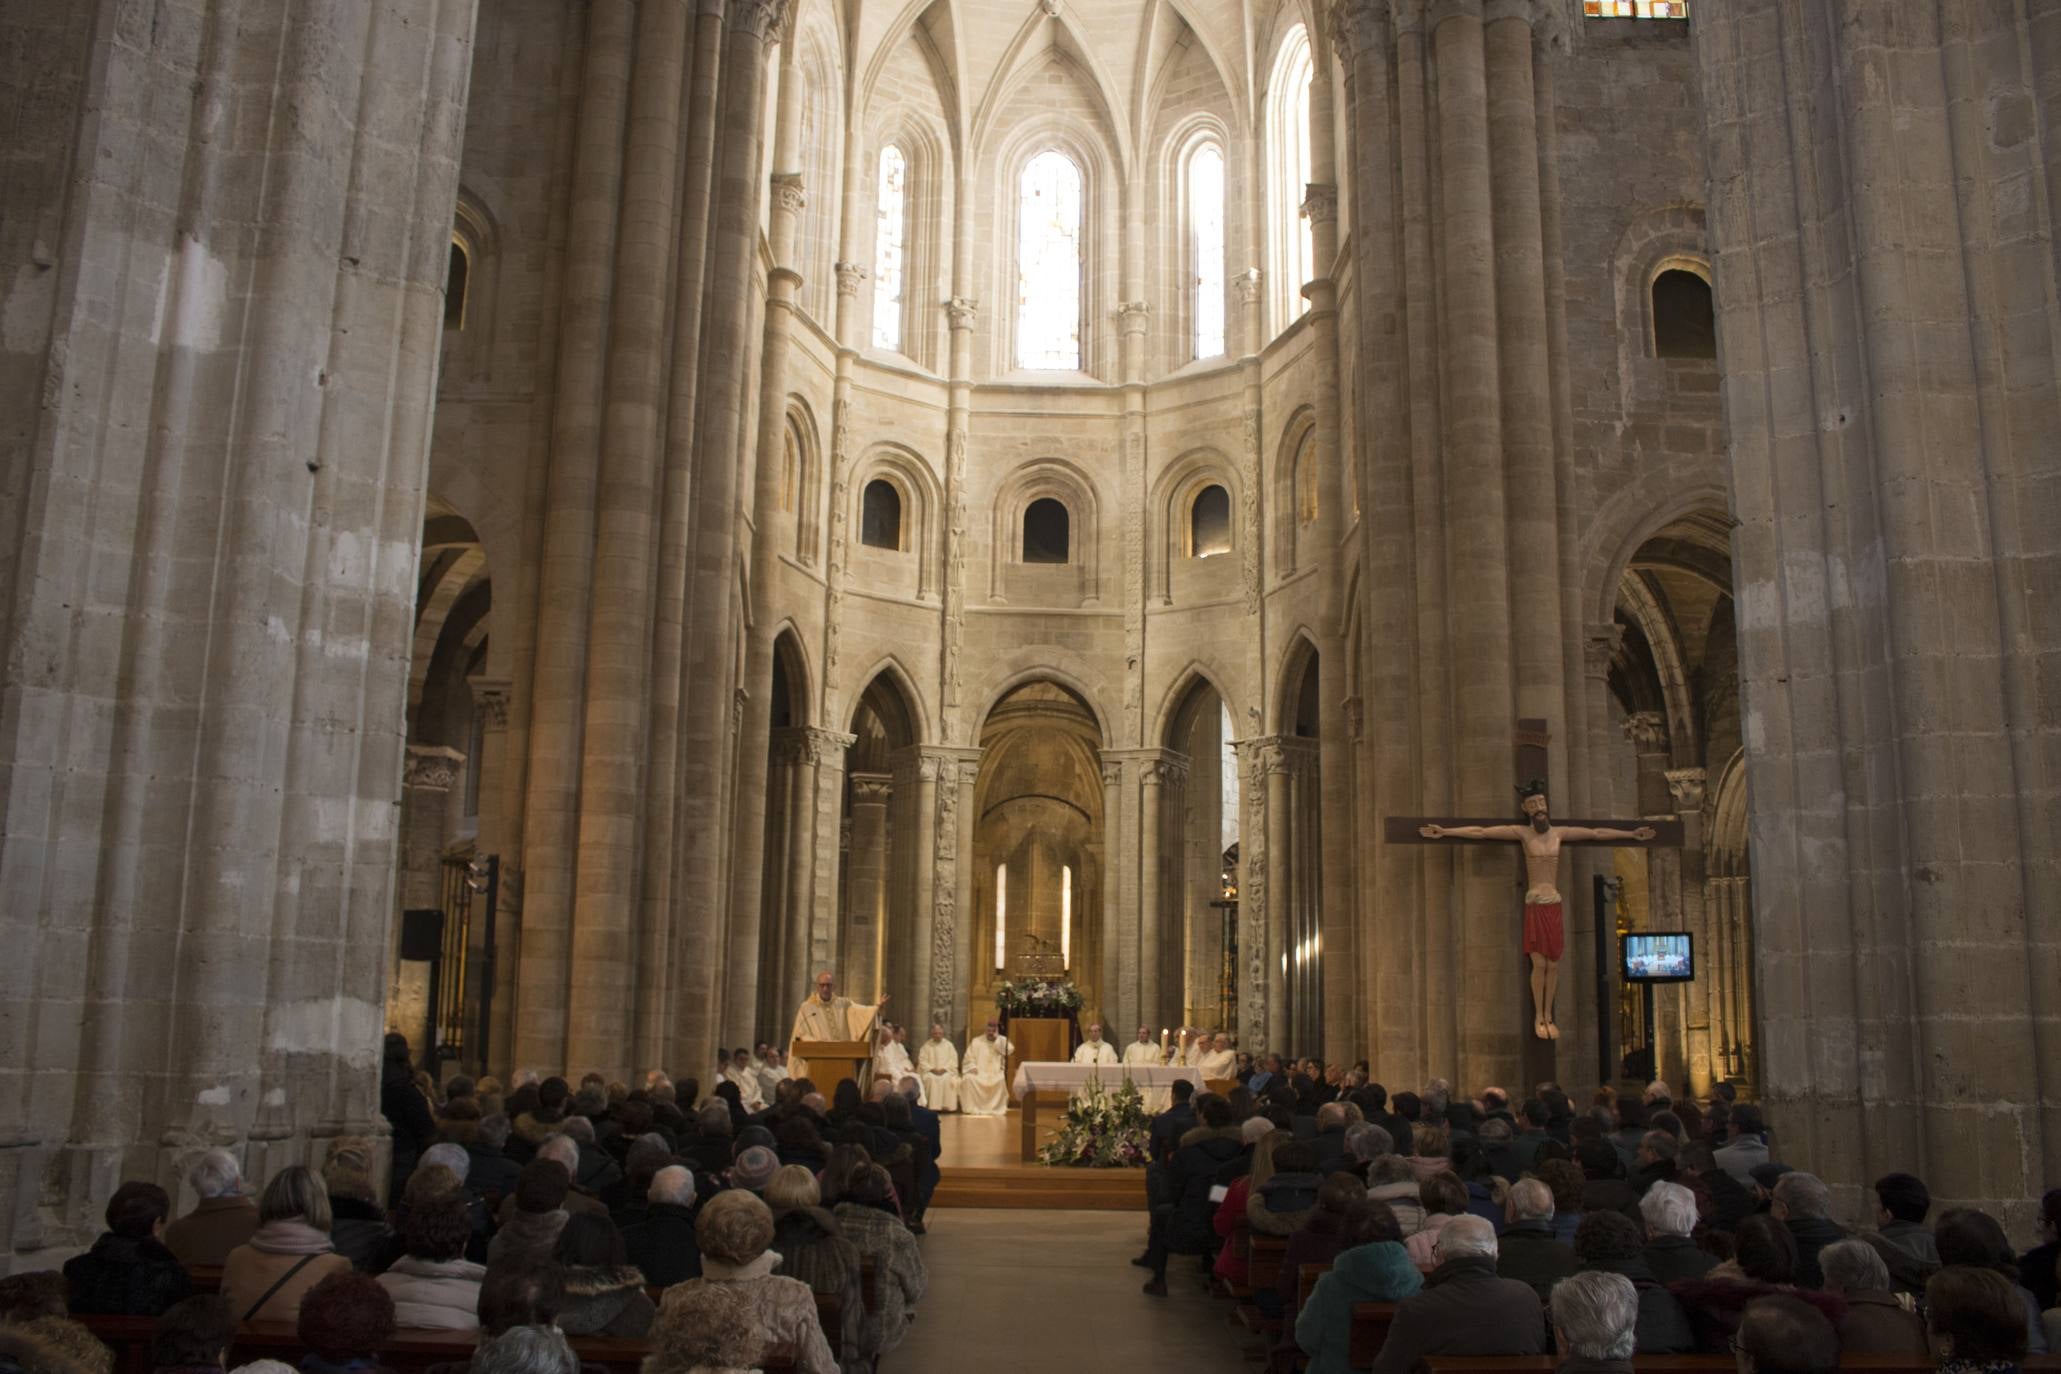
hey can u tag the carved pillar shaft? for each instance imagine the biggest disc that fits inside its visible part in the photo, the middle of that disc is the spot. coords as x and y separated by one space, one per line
866 884
1686 786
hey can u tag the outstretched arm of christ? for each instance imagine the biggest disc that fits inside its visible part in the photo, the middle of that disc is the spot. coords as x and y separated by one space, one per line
1585 832
1471 832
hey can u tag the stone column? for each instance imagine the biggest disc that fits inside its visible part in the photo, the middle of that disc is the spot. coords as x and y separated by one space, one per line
1647 731
1478 566
866 886
1275 768
667 845
1112 871
566 558
712 584
802 753
953 1009
1686 788
1578 991
431 772
220 388
770 527
606 942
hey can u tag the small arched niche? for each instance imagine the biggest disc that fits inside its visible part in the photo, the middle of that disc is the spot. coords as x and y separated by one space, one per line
1684 316
880 517
1047 531
1209 522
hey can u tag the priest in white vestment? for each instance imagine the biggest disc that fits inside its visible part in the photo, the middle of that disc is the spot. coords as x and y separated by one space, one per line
984 1075
891 1057
1143 1053
742 1072
1195 1045
1221 1061
937 1068
1094 1049
826 1016
772 1073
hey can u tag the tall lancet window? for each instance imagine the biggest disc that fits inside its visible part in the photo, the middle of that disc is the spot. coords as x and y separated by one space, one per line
1206 247
1289 249
1066 916
891 225
1048 264
1001 916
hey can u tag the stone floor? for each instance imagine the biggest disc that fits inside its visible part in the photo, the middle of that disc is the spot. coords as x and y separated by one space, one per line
1054 1292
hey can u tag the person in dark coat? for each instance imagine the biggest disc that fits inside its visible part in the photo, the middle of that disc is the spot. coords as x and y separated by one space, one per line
405 1110
1784 1334
129 1272
1317 1241
2039 1269
1876 1323
1530 1250
1611 1243
1173 1123
1669 1211
604 1292
1901 1203
1532 1120
1804 1204
1181 1226
662 1245
491 1174
1972 1237
1606 1190
1465 1309
1595 1319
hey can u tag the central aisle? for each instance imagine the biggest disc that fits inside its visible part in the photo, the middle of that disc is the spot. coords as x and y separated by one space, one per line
1055 1293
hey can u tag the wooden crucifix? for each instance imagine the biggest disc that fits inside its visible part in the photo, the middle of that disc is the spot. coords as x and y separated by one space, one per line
1541 839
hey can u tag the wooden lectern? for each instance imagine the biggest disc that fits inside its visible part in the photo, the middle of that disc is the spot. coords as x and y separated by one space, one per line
849 1057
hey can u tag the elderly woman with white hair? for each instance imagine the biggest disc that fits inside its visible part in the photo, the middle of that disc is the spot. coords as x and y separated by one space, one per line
224 1217
1595 1323
1466 1308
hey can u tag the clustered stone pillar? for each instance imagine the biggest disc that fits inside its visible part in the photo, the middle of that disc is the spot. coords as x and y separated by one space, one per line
220 386
1900 374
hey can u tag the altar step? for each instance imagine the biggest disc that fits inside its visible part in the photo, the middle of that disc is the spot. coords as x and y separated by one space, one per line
1036 1187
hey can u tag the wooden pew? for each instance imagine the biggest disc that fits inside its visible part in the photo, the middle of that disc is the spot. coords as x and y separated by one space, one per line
1687 1364
1241 1252
410 1352
1265 1267
1306 1282
1371 1321
207 1278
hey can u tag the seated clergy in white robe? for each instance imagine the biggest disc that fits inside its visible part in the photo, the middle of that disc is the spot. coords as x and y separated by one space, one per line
741 1071
984 1074
1096 1050
937 1068
890 1058
1195 1044
827 1016
772 1073
1143 1053
1220 1062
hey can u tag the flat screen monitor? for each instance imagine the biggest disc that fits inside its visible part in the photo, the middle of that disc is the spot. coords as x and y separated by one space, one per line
1659 957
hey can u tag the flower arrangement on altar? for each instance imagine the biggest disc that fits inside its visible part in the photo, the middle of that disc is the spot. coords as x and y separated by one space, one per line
1037 996
1102 1130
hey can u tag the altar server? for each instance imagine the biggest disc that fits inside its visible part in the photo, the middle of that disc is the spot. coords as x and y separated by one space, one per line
937 1065
984 1075
1095 1050
891 1057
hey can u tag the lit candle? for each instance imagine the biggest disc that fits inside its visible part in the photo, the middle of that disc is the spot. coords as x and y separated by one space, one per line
1162 1039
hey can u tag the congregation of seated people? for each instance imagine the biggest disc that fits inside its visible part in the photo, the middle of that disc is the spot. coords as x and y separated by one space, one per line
1353 1230
526 1222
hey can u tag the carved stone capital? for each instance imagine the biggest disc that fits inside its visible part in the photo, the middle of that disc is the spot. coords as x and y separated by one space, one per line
1408 17
789 193
1247 284
1647 730
1164 770
1686 786
491 696
808 745
758 18
1320 202
1133 316
876 789
432 767
1359 28
961 312
1112 772
1270 754
1599 649
849 275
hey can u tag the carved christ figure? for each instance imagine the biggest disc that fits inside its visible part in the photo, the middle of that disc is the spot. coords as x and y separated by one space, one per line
1544 931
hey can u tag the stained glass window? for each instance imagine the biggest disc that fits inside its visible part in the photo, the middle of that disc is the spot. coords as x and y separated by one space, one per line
1288 142
1636 9
1206 243
890 227
1048 264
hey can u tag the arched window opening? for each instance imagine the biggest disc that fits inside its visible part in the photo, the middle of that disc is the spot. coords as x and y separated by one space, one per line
1206 247
1289 247
457 281
1684 321
1001 916
889 247
1048 264
1047 532
1066 916
790 471
1306 480
880 515
1209 522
